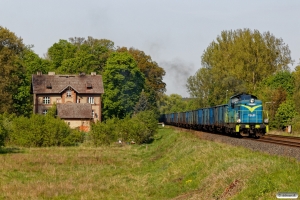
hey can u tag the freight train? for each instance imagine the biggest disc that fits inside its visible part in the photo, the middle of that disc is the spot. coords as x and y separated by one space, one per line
242 116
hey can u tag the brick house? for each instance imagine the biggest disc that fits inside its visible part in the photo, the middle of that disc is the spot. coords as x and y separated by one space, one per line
78 97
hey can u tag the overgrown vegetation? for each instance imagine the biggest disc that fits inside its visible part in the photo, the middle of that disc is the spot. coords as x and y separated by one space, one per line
46 131
138 129
175 165
37 131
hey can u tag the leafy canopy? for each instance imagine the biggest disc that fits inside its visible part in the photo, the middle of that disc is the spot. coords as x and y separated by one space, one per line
123 82
237 61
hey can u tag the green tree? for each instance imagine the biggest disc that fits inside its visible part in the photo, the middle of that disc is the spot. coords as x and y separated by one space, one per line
22 98
123 82
172 103
154 85
80 55
238 61
142 104
296 95
285 114
273 91
11 52
60 51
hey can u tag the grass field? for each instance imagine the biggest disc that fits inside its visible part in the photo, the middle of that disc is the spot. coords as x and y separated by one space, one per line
175 166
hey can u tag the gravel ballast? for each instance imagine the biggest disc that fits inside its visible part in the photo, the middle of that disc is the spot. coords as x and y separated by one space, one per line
273 149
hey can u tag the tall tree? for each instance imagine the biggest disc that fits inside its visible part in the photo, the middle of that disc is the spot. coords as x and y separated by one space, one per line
80 55
22 98
237 61
154 85
296 95
123 82
172 103
11 52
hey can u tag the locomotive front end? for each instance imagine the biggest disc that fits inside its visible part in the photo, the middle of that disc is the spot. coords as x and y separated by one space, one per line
250 116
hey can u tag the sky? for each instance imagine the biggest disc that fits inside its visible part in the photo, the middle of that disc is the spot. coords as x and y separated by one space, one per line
174 33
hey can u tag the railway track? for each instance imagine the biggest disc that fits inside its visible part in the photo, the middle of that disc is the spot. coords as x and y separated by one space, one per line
280 140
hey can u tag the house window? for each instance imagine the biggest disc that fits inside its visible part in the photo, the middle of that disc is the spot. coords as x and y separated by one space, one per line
69 93
46 100
91 100
93 113
45 112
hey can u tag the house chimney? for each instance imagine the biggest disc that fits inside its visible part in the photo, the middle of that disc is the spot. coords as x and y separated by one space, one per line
39 73
93 73
51 73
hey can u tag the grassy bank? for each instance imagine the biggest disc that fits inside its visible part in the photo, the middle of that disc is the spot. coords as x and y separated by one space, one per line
175 166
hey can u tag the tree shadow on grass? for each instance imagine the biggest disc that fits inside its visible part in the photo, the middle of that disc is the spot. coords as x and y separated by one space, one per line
5 150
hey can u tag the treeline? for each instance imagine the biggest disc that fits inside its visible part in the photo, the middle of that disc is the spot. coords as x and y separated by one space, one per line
132 81
133 85
253 62
237 61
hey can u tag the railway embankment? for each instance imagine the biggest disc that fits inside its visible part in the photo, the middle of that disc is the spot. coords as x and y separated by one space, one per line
176 165
271 145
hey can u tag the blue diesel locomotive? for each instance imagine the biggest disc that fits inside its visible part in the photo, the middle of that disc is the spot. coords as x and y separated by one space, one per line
242 116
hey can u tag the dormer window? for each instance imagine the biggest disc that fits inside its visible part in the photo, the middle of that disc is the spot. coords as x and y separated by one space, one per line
89 85
48 85
69 93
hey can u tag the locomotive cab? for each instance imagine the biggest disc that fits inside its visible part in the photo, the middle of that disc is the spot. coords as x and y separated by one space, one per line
245 115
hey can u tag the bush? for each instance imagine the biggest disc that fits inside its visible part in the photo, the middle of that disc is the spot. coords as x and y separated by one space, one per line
42 131
144 126
103 133
140 129
285 114
5 126
74 138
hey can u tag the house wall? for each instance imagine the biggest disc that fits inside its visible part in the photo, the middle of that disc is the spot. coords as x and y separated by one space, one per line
83 125
39 106
83 98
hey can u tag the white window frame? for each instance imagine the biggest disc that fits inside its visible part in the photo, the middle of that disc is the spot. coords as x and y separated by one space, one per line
46 100
45 112
91 100
69 93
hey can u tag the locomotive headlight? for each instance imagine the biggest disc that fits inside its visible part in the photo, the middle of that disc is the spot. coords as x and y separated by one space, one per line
251 100
266 121
238 121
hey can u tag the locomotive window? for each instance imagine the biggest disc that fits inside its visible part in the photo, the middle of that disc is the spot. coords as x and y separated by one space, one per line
245 97
234 100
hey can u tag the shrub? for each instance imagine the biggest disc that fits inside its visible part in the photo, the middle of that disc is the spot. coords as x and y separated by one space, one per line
41 131
5 127
140 129
285 114
74 138
103 133
144 126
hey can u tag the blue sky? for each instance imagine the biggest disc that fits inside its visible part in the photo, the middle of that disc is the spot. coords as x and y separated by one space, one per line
174 33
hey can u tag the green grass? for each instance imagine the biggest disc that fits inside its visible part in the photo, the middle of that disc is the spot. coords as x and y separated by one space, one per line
176 165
